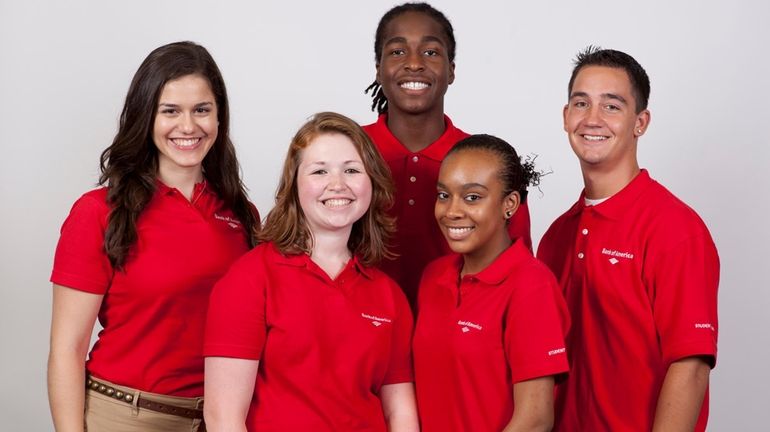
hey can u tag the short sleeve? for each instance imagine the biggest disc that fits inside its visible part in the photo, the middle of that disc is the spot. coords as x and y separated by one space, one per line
235 323
685 282
536 324
80 261
400 368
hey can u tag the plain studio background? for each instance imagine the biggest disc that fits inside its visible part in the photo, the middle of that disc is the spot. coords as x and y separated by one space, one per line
65 68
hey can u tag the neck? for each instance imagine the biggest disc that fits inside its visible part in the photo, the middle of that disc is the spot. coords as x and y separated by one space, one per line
181 178
330 251
604 184
478 261
417 131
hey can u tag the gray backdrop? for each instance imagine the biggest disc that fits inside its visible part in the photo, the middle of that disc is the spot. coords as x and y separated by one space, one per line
65 68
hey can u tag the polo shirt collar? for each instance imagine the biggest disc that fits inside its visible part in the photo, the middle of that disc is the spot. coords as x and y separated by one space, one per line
495 273
164 189
436 150
502 266
303 260
615 206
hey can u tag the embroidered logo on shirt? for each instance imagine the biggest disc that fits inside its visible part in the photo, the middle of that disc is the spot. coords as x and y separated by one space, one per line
376 321
705 326
467 326
234 223
616 254
553 352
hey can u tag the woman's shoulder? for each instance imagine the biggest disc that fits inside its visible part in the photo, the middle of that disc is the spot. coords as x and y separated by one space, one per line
91 204
97 197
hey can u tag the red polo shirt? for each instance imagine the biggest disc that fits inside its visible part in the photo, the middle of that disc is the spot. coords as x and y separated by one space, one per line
418 240
152 313
475 340
325 347
640 274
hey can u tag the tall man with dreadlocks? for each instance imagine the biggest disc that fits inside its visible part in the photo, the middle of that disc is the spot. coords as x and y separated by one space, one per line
414 52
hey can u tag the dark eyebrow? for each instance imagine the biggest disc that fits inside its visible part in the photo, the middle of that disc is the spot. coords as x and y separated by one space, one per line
395 39
173 105
401 39
466 186
438 40
616 97
474 185
613 96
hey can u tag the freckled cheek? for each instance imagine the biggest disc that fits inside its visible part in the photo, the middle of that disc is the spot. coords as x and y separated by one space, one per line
364 192
307 191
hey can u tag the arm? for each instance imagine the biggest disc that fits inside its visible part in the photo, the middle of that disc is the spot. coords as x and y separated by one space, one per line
533 401
399 407
681 395
72 322
228 388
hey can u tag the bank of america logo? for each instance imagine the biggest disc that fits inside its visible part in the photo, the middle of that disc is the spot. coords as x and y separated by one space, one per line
614 255
466 326
376 321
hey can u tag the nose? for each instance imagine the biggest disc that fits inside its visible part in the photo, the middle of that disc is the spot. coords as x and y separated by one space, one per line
593 116
187 123
454 208
336 182
414 61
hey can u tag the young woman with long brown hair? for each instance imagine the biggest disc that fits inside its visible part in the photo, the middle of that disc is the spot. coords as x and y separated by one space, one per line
143 252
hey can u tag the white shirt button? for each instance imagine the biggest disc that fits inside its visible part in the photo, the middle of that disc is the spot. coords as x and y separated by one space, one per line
580 255
412 179
415 158
585 231
411 202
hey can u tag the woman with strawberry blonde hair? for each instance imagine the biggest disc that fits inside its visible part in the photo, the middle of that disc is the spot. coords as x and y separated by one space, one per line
304 333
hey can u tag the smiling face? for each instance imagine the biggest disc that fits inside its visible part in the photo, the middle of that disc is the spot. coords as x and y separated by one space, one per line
471 208
600 119
185 126
414 69
332 184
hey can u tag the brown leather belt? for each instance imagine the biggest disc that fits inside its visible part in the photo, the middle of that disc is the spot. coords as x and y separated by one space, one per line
145 403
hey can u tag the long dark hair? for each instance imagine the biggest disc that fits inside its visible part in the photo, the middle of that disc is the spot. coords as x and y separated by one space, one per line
129 166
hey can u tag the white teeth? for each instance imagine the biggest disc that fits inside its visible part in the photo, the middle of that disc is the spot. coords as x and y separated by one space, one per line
185 142
413 85
459 231
594 137
337 202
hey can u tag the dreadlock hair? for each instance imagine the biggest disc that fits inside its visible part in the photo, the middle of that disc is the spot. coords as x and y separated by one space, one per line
129 166
379 100
514 174
596 56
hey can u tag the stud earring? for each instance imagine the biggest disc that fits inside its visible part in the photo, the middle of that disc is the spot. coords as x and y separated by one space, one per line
639 130
508 214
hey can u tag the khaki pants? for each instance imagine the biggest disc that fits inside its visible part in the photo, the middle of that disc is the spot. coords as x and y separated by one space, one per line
106 414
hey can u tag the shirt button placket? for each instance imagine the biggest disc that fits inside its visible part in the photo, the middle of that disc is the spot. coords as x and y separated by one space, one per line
581 242
412 168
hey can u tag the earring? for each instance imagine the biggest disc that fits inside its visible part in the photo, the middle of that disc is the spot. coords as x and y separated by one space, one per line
639 130
508 214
